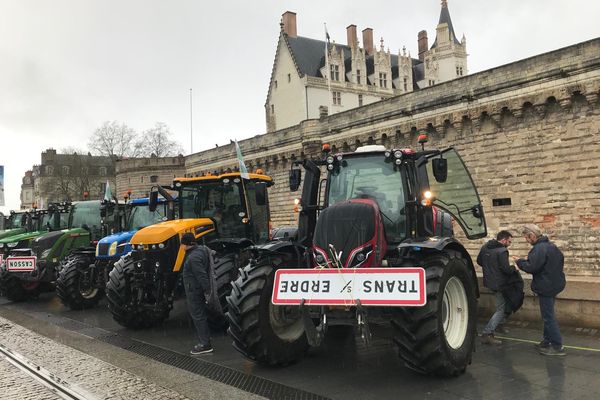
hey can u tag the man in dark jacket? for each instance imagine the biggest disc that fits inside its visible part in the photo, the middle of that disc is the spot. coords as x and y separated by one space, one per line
196 281
493 258
545 262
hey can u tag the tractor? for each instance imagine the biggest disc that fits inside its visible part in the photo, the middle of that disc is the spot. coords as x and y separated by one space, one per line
14 224
82 281
375 253
38 223
29 271
226 212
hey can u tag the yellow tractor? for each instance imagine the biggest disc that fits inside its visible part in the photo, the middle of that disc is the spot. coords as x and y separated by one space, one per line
225 212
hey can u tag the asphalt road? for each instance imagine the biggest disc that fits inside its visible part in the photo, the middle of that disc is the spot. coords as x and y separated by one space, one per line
347 369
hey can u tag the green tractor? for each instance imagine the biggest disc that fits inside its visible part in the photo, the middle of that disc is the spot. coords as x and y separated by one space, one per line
39 222
27 272
15 224
225 212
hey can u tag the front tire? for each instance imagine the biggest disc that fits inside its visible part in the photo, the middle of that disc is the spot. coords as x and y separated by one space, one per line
439 337
15 289
261 331
122 301
78 284
225 271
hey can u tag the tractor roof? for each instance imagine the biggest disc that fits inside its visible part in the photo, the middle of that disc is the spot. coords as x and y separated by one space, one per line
208 178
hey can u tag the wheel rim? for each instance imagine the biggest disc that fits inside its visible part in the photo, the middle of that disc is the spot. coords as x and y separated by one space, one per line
455 313
86 287
286 322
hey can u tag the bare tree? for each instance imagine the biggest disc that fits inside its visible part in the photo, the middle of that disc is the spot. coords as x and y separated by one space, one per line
156 141
114 139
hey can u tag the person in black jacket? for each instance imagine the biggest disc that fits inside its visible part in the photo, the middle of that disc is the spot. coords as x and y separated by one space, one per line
493 258
546 263
196 281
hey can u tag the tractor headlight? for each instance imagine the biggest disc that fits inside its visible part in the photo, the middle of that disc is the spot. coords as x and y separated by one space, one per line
161 245
320 258
12 244
397 154
45 253
329 159
112 250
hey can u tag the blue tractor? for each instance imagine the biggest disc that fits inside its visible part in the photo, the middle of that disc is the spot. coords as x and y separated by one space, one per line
82 280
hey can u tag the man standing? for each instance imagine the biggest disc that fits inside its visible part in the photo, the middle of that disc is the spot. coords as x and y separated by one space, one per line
196 281
545 262
493 258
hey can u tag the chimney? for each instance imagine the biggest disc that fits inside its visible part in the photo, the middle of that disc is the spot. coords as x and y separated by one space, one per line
351 35
288 23
368 40
423 45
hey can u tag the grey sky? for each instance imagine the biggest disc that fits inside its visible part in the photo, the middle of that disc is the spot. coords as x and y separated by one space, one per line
68 65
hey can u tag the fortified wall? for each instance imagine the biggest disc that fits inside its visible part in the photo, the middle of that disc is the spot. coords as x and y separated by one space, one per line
137 175
528 131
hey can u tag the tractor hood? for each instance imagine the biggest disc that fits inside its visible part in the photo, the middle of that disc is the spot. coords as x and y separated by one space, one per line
163 231
22 236
11 232
119 237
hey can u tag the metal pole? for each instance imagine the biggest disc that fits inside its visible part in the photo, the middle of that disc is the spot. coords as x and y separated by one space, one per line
191 130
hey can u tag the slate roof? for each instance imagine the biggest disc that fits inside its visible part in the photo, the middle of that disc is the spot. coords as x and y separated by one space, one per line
445 18
309 56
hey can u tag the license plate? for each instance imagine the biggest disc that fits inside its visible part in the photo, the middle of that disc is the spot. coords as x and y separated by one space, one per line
344 286
20 264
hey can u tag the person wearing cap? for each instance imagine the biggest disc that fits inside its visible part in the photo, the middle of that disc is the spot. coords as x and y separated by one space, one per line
493 258
546 263
196 281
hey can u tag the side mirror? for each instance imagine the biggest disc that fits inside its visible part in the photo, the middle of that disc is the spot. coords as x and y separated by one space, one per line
440 169
261 194
295 179
153 201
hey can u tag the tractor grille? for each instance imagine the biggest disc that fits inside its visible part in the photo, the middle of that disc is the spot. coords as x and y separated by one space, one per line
103 249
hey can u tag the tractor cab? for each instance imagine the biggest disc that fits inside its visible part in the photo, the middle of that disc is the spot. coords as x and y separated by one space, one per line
15 223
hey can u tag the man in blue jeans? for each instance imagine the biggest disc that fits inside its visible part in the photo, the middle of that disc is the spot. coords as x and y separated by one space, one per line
196 281
545 262
493 258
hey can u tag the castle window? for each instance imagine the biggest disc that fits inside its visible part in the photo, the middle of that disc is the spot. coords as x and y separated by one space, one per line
289 78
383 80
358 76
406 84
431 82
65 170
335 72
360 100
275 84
102 171
272 108
457 72
49 170
337 98
154 178
461 71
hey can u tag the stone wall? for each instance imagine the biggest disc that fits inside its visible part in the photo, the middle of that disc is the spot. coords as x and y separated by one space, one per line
138 175
528 131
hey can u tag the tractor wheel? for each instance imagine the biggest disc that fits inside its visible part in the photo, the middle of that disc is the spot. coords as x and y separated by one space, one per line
438 338
15 289
226 271
261 331
77 285
122 301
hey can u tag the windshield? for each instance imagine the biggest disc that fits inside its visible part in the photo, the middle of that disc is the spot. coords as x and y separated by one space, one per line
45 220
370 176
86 215
142 217
458 195
16 220
221 200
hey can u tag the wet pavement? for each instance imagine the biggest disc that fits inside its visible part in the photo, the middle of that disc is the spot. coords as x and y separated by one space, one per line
344 368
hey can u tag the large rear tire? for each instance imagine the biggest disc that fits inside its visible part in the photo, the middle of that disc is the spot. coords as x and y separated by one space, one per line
122 302
15 289
78 284
439 337
261 331
226 270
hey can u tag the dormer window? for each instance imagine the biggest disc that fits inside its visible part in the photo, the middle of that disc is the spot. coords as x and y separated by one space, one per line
335 72
383 80
406 84
289 78
358 76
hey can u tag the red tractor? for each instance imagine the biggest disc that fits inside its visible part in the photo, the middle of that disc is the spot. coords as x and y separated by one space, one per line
375 247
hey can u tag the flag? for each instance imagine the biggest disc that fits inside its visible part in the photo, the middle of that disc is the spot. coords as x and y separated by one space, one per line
243 169
1 185
328 71
107 192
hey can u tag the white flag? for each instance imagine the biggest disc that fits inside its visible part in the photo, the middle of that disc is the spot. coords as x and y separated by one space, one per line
243 170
